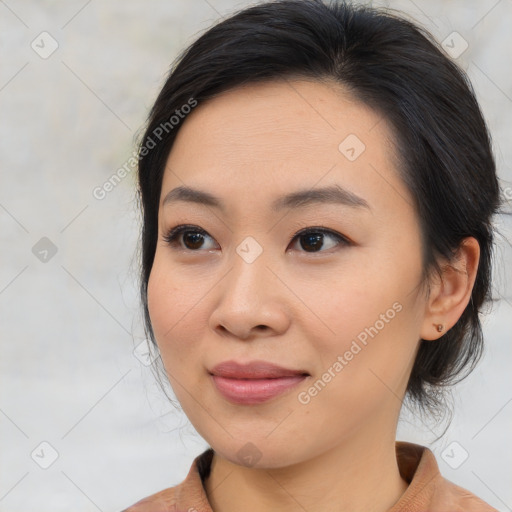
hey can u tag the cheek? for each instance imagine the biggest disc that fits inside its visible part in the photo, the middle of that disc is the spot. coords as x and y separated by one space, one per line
171 309
344 305
174 306
364 368
160 304
370 317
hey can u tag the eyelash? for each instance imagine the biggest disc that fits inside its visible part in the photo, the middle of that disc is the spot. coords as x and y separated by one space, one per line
171 237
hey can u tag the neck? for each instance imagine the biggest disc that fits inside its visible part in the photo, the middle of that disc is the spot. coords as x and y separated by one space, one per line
354 476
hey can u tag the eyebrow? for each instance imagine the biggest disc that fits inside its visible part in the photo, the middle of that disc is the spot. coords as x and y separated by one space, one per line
301 198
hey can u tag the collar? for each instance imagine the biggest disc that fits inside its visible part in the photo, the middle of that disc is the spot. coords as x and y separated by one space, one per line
428 491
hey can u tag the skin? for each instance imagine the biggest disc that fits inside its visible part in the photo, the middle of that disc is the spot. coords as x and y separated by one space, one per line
297 307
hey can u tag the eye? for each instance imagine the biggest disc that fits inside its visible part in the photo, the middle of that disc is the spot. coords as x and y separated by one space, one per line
313 239
191 238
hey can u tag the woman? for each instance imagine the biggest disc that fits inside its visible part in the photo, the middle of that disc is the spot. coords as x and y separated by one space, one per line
317 187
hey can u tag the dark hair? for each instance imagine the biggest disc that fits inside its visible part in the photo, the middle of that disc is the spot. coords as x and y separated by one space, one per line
393 66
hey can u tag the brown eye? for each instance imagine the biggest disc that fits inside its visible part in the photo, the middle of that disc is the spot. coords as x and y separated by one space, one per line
313 239
192 237
192 240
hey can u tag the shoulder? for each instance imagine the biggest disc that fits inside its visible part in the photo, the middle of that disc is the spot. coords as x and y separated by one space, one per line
453 498
188 495
429 490
163 501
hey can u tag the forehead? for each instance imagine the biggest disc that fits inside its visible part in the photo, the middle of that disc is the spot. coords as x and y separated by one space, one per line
273 137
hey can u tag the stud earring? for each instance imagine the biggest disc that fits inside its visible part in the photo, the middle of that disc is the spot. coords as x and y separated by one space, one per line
440 327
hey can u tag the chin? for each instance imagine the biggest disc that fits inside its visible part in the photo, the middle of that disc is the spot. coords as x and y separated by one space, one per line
259 453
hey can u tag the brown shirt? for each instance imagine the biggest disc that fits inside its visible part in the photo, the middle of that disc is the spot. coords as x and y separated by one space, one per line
428 490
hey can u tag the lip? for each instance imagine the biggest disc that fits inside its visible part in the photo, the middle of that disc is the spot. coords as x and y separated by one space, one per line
254 382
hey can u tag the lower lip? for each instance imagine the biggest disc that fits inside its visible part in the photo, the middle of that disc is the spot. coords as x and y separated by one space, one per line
254 391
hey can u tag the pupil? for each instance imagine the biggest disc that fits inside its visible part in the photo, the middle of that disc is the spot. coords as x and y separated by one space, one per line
315 238
194 239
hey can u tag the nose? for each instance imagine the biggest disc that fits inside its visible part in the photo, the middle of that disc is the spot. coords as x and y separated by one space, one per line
250 301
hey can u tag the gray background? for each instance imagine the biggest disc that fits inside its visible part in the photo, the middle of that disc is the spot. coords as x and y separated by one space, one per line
70 320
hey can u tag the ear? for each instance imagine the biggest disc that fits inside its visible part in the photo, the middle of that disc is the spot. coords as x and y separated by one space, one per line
451 293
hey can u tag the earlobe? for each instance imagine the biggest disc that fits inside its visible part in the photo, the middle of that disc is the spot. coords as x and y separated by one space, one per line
451 293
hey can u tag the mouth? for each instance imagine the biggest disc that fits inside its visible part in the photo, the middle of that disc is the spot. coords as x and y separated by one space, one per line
255 382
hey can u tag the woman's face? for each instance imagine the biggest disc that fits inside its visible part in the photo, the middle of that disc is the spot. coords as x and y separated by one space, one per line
342 310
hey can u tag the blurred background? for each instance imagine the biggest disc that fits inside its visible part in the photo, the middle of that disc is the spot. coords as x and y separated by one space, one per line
83 423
